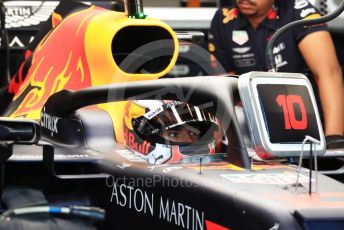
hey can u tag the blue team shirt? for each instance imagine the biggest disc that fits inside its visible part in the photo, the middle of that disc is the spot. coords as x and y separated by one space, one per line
238 47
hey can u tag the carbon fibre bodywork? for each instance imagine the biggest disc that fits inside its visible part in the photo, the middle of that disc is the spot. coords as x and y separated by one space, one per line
223 191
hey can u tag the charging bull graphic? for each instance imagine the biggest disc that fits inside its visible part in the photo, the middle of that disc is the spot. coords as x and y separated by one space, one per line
79 53
63 66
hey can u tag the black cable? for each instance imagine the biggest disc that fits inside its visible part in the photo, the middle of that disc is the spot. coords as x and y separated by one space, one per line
310 168
269 49
91 213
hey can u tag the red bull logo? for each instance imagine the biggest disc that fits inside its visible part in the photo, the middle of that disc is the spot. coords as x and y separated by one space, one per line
134 144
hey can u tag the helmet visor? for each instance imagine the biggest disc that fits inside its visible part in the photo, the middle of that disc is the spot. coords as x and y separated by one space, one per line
172 115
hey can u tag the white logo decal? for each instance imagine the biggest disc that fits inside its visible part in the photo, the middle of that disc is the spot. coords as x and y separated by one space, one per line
242 50
169 169
28 13
184 48
279 61
126 194
278 48
153 113
31 39
130 156
49 122
245 62
16 42
18 11
306 12
124 165
266 178
40 157
299 4
240 37
179 70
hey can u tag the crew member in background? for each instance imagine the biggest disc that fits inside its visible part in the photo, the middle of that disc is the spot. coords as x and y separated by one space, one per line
239 35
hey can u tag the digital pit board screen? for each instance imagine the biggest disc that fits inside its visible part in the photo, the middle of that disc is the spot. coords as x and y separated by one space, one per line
288 112
280 110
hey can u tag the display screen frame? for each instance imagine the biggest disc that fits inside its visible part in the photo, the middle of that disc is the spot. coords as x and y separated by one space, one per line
255 117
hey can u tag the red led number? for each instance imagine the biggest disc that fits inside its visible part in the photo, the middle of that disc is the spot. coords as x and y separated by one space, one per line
287 103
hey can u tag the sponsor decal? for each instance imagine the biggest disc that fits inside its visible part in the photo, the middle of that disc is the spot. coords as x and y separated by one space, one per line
16 43
313 16
278 48
241 50
279 61
215 166
245 62
153 113
265 166
152 167
133 143
19 41
160 154
144 202
181 214
18 11
130 156
40 157
49 122
173 168
211 47
184 48
299 4
123 165
229 15
272 14
239 56
266 178
69 156
240 37
180 70
306 12
278 57
28 13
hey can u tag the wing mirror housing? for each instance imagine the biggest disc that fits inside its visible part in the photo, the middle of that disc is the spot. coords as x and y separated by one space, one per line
20 131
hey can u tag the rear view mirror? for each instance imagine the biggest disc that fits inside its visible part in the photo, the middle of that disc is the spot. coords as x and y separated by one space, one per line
15 131
21 131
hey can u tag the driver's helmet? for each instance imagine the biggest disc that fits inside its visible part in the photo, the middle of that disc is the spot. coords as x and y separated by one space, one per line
168 131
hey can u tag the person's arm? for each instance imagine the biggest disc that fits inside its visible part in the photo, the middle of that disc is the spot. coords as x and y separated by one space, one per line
319 53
